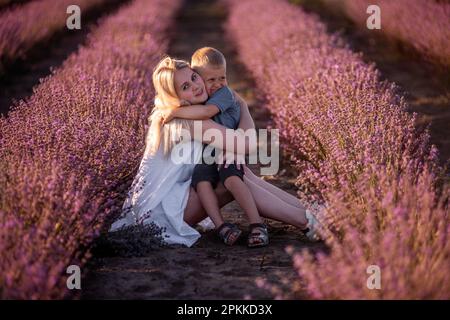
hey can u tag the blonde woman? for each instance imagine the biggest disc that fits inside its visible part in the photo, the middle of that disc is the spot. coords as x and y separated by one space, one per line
161 191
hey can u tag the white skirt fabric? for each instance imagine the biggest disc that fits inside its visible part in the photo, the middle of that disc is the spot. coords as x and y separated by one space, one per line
160 192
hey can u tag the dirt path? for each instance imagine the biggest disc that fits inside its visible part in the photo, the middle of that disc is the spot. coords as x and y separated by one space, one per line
21 76
209 270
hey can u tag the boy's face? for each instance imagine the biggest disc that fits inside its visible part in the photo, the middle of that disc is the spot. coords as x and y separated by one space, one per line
214 78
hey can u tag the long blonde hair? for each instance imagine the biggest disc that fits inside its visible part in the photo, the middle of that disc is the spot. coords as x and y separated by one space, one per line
166 98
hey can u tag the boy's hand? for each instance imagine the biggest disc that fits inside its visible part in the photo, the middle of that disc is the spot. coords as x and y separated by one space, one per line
158 118
167 115
184 103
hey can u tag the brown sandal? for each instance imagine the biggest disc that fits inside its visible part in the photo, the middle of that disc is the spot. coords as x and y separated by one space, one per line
258 232
229 233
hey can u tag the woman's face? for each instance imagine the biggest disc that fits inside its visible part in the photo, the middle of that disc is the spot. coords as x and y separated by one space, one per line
190 86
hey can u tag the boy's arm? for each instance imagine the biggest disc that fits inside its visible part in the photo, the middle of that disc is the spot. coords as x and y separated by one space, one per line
195 112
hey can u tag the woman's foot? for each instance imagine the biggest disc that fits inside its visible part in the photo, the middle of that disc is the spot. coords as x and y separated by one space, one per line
259 236
310 230
229 233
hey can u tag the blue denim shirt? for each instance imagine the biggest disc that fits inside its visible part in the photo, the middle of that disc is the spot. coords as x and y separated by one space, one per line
230 110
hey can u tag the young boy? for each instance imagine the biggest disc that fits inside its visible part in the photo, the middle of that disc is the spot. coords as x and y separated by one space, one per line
210 64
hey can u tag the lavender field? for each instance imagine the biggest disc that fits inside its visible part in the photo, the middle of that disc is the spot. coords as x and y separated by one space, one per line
363 117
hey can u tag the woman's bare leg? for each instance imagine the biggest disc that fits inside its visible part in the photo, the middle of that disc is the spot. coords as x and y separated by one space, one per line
267 199
244 198
271 206
283 195
194 211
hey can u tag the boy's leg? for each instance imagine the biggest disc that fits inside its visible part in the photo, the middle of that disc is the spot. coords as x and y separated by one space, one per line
232 179
204 185
194 211
204 181
209 201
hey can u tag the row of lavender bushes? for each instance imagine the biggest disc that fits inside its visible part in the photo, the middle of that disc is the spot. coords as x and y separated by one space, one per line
69 152
5 3
356 151
22 27
422 24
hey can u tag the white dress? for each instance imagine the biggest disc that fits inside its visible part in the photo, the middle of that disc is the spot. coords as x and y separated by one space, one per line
160 192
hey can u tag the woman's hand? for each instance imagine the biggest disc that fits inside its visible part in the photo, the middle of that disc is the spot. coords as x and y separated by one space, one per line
227 158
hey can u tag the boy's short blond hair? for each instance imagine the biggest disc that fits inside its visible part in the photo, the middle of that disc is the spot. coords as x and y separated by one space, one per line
208 57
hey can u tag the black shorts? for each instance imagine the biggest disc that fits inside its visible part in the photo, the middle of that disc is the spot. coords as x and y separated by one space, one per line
209 172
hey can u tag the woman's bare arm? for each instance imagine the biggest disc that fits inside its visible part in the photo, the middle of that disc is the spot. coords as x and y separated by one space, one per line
234 141
246 121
